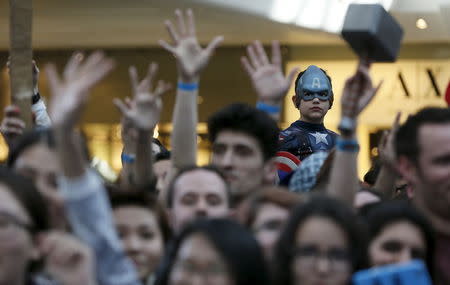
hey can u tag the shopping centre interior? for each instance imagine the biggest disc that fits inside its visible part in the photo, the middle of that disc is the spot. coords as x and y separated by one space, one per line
307 29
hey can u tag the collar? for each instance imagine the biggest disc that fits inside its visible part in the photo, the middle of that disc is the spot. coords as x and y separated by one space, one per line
308 126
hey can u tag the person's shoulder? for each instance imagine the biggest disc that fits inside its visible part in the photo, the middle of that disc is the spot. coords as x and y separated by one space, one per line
330 132
292 129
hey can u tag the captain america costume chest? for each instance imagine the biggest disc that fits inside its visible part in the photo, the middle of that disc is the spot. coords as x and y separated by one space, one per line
302 139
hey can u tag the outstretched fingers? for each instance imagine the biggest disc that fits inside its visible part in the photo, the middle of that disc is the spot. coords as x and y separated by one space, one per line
53 78
121 106
368 96
190 23
167 46
276 53
261 53
253 57
98 72
247 66
172 32
181 22
209 50
151 73
72 65
161 88
292 74
132 71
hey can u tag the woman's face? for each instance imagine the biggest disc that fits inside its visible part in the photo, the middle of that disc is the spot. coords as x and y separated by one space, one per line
141 236
396 243
322 254
198 262
269 222
16 245
40 164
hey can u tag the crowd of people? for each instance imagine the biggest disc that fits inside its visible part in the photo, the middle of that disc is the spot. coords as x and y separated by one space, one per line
272 207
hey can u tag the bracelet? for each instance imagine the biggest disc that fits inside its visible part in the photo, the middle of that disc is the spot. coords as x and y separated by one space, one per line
187 86
347 145
127 158
347 126
271 109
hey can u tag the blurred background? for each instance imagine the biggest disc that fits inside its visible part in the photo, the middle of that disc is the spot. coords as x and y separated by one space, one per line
307 29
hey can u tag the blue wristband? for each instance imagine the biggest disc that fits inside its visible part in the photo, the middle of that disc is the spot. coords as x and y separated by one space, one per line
347 145
187 86
268 108
128 158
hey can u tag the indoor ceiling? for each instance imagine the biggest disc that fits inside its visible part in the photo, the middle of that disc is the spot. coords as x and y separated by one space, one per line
139 23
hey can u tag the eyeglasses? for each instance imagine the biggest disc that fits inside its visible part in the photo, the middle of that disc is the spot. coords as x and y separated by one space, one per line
308 256
9 225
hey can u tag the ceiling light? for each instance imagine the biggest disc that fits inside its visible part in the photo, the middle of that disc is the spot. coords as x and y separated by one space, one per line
421 24
284 11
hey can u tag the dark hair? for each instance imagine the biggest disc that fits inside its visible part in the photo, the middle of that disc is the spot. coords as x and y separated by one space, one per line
181 172
30 139
371 176
163 154
270 194
328 77
244 118
381 215
408 134
44 136
320 206
234 243
144 200
31 200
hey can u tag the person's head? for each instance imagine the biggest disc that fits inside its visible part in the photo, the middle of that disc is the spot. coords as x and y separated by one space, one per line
143 228
267 214
23 214
322 242
197 192
244 142
398 233
214 252
34 156
313 94
423 157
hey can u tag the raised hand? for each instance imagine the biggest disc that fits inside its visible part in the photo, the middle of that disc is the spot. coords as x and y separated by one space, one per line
12 127
143 112
191 58
35 71
358 91
67 260
386 147
267 77
70 93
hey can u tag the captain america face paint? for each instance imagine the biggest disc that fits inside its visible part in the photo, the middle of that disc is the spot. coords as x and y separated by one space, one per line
313 84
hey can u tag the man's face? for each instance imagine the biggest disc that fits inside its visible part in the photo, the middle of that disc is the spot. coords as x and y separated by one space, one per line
241 159
198 193
431 176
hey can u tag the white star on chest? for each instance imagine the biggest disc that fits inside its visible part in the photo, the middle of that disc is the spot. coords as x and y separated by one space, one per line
320 137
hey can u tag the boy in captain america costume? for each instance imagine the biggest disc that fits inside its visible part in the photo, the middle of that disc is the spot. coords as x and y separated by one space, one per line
313 97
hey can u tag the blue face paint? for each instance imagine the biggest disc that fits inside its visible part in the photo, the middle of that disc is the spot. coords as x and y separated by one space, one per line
313 84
